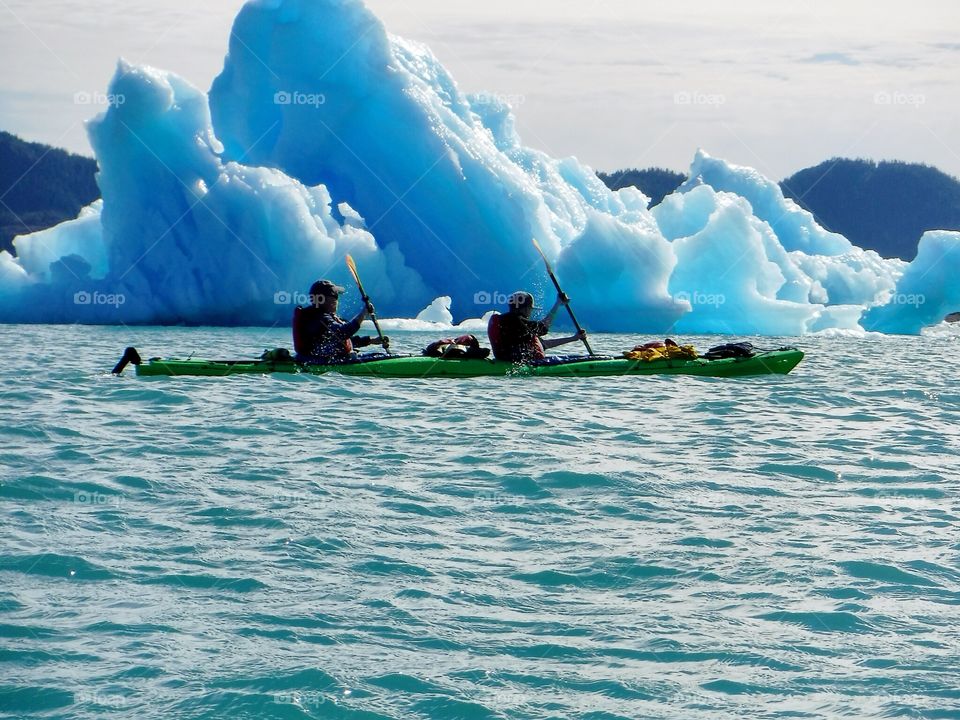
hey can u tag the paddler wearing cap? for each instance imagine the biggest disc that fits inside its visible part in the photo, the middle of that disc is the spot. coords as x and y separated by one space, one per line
320 335
516 338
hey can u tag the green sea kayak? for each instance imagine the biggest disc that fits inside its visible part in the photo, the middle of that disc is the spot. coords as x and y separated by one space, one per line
777 362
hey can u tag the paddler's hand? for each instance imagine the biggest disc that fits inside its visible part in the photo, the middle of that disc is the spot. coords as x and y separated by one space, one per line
385 341
582 335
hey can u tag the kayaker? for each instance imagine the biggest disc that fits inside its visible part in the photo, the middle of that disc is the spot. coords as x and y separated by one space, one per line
516 338
320 335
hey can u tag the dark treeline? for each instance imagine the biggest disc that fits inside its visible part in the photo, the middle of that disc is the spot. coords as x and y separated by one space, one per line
655 183
883 206
40 186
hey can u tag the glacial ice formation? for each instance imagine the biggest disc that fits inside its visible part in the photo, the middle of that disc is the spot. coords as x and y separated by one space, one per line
928 290
324 135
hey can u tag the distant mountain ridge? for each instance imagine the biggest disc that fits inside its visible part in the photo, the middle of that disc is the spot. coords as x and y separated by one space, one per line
40 186
883 206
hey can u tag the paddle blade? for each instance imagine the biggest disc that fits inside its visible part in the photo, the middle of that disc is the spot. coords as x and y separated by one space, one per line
543 255
352 266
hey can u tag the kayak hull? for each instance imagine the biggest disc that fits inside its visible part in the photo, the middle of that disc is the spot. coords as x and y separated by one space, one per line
777 362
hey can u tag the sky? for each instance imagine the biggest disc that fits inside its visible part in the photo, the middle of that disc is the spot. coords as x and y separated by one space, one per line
778 86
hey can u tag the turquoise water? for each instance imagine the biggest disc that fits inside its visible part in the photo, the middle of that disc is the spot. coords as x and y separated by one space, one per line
333 547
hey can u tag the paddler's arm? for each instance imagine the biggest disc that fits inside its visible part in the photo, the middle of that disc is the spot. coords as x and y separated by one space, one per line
353 326
349 329
562 300
556 342
360 341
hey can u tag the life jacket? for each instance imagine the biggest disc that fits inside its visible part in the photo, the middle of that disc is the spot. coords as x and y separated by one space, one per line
310 331
514 338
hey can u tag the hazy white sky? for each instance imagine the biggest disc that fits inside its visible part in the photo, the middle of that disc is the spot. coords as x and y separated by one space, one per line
775 85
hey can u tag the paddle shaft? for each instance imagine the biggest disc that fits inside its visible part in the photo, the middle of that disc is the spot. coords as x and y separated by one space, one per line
556 284
366 301
586 343
373 317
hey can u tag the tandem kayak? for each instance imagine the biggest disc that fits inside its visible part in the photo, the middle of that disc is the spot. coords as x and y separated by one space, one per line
775 362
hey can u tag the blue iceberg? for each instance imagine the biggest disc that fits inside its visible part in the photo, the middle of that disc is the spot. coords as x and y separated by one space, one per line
325 135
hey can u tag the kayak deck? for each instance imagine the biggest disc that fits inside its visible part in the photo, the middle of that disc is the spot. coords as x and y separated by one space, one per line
776 362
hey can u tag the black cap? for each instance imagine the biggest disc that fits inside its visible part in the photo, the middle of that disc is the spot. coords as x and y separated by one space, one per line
325 288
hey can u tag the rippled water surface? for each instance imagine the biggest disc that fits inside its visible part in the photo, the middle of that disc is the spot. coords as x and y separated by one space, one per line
333 547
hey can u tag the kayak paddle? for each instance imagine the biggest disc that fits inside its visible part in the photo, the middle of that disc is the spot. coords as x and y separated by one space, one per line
366 301
556 284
